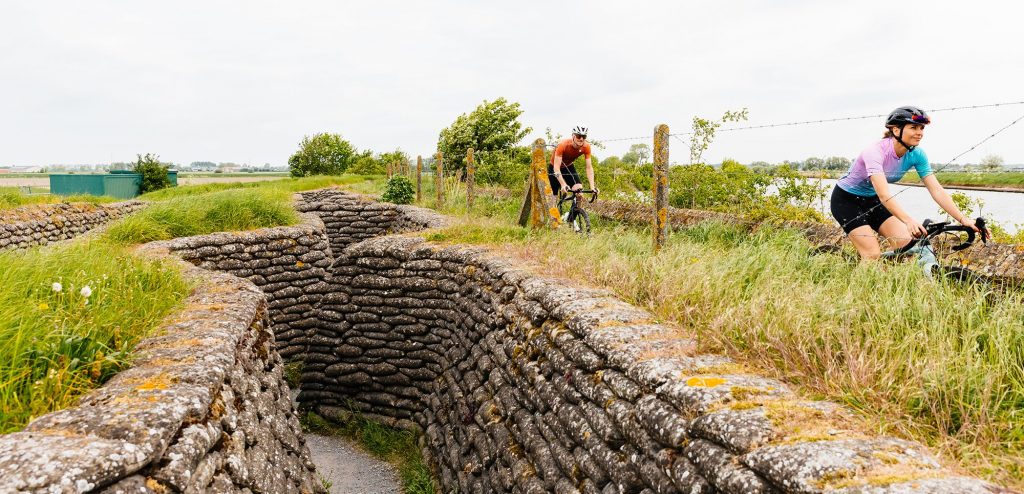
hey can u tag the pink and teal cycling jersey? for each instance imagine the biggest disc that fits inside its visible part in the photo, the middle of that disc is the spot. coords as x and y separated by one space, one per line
880 157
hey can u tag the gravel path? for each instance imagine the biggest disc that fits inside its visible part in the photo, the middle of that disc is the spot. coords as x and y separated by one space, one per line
351 470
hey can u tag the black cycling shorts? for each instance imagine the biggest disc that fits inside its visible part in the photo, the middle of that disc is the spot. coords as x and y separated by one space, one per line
568 173
853 211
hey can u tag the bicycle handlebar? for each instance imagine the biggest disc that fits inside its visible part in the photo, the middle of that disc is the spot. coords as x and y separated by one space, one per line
562 197
935 229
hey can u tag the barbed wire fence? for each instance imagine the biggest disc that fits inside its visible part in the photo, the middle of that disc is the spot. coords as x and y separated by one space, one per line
453 172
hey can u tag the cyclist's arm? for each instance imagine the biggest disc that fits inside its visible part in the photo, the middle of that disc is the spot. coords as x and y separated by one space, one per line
885 195
590 174
556 168
942 198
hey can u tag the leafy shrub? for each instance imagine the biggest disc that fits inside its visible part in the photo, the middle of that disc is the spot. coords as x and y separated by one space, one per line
154 173
321 154
398 190
735 188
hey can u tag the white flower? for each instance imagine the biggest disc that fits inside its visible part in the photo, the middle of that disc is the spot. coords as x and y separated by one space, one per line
57 287
86 291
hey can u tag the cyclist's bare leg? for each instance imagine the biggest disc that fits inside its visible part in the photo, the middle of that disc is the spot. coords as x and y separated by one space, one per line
864 239
895 232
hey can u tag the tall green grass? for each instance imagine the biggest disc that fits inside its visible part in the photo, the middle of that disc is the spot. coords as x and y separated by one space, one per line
12 197
284 184
935 361
56 341
189 215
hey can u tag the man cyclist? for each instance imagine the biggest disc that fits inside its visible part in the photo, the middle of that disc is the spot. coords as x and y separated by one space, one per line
561 172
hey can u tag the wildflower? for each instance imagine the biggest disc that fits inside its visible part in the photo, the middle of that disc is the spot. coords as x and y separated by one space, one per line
57 287
86 291
43 306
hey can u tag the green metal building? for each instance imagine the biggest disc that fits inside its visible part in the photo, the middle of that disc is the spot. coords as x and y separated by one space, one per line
122 184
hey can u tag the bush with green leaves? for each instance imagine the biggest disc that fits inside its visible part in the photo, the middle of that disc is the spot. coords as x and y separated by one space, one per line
322 154
398 190
735 188
154 173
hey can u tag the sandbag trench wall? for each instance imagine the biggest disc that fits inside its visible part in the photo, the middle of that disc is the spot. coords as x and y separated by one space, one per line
29 226
292 264
1003 263
203 408
525 384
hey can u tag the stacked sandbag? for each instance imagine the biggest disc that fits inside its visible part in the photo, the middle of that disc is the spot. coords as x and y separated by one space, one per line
29 226
289 264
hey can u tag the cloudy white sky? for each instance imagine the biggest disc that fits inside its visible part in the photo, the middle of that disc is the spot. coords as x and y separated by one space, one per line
92 82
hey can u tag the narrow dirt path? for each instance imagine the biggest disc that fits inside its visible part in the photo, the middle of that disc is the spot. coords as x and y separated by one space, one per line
349 469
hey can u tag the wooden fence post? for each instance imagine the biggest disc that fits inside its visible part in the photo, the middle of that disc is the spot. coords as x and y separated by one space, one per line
660 186
544 209
419 178
438 183
470 178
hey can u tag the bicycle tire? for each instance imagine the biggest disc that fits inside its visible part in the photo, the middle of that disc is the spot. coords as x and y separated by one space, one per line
961 275
581 223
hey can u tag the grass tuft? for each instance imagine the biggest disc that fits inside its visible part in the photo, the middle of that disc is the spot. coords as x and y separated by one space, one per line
69 315
185 216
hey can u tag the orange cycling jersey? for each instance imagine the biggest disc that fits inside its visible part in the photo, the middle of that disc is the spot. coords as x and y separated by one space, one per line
569 153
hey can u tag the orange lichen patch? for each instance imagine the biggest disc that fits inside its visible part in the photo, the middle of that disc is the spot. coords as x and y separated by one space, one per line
158 382
300 264
705 382
156 486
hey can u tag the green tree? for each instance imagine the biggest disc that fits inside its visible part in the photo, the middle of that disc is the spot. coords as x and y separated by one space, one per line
394 157
321 154
638 154
492 126
814 163
837 163
154 173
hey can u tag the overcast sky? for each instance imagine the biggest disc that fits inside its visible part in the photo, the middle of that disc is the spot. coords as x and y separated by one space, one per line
94 82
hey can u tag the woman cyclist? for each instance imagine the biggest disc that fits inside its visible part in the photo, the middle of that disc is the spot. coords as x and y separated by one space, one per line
862 201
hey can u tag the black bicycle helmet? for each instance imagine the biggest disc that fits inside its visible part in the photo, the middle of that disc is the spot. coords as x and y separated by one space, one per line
907 115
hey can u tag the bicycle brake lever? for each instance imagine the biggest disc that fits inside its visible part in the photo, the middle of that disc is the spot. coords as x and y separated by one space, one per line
980 223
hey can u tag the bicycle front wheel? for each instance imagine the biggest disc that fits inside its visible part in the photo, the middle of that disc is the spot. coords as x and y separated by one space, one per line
582 221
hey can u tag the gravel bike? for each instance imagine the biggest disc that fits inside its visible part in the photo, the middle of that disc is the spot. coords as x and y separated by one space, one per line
926 258
573 212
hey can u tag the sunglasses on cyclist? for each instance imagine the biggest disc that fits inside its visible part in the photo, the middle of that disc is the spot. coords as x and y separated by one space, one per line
581 136
921 119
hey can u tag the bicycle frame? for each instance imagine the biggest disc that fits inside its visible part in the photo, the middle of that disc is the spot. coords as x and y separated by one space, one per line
575 210
922 247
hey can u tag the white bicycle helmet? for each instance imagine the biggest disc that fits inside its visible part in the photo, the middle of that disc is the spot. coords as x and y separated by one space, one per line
580 130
